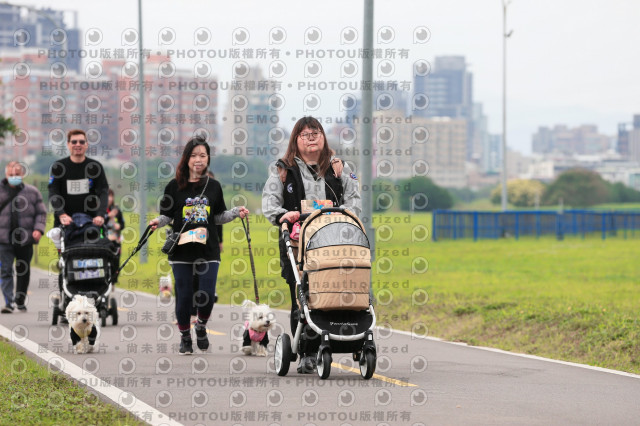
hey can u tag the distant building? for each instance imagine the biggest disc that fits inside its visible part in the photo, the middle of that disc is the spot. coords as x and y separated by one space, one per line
40 31
622 144
251 123
405 147
449 87
634 139
582 140
479 137
107 106
492 154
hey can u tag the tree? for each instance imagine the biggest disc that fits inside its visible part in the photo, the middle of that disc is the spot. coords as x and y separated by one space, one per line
421 194
7 125
623 194
520 192
577 188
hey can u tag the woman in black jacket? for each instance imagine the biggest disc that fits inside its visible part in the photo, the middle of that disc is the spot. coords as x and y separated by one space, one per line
194 203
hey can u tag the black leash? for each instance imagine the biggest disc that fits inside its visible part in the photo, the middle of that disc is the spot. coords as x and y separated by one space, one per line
253 266
143 240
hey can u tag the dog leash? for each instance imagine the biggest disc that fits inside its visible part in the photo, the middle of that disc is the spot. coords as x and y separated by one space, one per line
253 266
143 240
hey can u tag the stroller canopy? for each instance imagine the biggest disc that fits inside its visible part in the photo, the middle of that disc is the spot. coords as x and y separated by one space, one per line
335 255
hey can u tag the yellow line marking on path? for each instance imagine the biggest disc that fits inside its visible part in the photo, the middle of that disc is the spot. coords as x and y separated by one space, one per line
213 332
375 376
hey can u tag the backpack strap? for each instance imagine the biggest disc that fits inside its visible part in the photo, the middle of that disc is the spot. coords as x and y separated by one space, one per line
282 170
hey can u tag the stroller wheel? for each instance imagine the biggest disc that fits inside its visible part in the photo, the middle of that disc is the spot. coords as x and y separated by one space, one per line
55 311
367 364
282 354
324 364
55 314
113 310
103 317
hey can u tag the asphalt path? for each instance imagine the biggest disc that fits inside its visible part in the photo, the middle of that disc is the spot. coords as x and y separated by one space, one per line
418 380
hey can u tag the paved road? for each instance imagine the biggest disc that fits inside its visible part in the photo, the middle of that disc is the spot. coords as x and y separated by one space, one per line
419 380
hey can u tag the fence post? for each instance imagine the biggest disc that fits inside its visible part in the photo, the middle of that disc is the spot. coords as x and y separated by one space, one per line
559 235
475 226
455 230
604 226
433 225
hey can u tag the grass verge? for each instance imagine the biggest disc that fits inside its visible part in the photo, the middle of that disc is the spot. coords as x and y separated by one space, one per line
574 300
33 395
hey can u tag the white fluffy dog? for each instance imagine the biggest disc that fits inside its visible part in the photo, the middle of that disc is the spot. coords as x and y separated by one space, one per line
256 337
83 323
165 286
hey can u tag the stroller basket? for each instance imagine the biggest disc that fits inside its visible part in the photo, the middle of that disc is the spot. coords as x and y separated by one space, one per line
336 262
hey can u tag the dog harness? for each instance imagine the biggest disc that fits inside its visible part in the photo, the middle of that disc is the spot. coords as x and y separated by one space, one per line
92 335
256 336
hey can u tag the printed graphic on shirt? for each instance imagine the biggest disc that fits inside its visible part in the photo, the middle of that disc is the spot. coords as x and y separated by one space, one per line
78 186
196 210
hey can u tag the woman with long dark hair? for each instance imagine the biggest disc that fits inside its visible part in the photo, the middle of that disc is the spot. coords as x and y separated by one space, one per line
194 203
308 171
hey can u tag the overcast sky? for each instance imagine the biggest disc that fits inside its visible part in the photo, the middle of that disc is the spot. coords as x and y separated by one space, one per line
569 61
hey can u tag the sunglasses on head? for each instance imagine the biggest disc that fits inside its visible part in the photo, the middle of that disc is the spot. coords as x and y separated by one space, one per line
77 141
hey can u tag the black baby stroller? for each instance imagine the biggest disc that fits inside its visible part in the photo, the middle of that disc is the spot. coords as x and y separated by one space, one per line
336 315
88 264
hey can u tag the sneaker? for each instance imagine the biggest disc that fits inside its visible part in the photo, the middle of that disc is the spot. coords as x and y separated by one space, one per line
22 308
306 365
186 345
7 309
202 339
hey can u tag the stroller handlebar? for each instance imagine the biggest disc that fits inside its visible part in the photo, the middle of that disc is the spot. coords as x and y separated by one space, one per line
304 216
284 226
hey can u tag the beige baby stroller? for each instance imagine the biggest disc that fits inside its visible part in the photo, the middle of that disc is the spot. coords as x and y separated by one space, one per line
336 314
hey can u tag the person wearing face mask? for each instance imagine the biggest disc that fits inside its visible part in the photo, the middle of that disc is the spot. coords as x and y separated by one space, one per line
23 219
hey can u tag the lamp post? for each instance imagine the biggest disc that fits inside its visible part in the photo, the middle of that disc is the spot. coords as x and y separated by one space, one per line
143 137
505 36
367 114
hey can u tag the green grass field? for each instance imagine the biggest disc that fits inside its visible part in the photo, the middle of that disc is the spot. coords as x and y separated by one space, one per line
574 300
32 395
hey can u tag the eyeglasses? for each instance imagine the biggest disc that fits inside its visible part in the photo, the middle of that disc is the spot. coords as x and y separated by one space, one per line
77 141
311 135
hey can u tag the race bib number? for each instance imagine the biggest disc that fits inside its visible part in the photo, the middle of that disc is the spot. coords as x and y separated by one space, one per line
198 235
78 186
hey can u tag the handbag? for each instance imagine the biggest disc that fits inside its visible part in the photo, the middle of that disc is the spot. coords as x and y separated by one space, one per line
171 243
